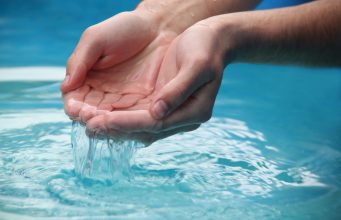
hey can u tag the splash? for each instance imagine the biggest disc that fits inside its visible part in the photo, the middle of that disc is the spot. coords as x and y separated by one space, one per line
102 159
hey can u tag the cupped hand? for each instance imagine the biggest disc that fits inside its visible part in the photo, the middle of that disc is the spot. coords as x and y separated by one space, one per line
107 44
114 66
183 94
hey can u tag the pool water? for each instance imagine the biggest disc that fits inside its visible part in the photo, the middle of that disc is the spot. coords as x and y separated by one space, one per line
271 151
104 159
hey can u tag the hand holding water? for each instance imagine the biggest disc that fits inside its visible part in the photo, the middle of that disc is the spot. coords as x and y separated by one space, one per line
114 67
113 75
186 87
166 81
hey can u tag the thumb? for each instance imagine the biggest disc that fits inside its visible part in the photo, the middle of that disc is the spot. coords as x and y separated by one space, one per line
87 52
177 91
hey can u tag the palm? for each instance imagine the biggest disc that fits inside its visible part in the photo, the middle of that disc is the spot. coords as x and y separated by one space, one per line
129 85
116 100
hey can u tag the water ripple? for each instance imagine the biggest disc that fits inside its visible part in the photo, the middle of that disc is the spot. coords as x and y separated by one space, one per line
220 169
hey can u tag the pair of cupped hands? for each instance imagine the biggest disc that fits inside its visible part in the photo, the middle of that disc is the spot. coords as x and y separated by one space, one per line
132 78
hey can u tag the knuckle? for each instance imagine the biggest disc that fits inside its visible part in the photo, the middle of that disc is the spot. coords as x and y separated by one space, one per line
89 31
92 35
124 14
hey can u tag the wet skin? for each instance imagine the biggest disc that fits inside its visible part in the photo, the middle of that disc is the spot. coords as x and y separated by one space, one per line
116 100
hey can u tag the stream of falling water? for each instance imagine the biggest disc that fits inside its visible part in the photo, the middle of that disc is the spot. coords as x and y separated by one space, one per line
102 159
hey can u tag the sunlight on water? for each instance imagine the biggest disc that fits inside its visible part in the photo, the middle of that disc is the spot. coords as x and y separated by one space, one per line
101 159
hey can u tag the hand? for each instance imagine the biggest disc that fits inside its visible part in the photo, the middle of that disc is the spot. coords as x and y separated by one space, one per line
106 44
184 94
114 66
127 34
100 82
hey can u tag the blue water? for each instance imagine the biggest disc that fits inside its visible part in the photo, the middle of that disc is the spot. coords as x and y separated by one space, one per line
271 151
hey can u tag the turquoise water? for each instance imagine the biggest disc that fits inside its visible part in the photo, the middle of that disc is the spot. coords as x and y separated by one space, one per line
105 160
271 151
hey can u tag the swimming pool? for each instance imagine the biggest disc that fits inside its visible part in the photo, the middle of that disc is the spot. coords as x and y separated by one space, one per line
271 151
266 155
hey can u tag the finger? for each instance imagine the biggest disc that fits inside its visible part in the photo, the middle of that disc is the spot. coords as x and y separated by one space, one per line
145 137
106 61
126 121
73 101
197 109
177 91
91 101
128 41
149 138
87 52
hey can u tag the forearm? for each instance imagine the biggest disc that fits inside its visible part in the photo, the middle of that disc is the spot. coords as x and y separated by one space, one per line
178 15
309 34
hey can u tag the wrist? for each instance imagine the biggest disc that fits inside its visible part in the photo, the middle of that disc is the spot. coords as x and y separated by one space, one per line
231 34
173 15
178 15
245 36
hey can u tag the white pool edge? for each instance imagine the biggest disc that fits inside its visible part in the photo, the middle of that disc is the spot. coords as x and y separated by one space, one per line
32 73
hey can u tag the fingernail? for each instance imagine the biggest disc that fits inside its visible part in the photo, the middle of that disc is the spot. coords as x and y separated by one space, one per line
160 109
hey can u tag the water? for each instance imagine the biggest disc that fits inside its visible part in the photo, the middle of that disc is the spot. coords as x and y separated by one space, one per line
104 159
262 156
271 151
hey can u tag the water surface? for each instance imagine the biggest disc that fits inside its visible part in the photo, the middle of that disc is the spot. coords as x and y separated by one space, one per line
271 151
